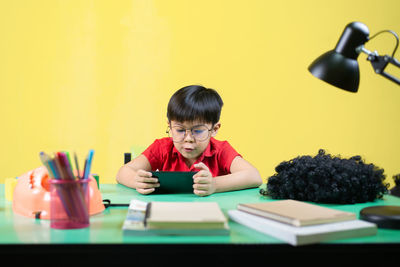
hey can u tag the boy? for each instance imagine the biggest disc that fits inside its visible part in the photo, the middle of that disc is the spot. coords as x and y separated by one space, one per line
193 122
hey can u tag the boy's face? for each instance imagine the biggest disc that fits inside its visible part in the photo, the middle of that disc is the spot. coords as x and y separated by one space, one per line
192 138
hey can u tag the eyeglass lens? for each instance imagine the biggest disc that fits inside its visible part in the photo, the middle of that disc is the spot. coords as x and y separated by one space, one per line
200 133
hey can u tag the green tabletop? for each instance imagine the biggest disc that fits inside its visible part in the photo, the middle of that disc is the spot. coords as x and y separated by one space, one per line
105 228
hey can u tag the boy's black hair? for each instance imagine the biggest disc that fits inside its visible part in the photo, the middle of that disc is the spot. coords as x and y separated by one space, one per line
195 102
326 179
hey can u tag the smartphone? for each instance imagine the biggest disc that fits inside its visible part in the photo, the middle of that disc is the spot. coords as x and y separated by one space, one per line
174 182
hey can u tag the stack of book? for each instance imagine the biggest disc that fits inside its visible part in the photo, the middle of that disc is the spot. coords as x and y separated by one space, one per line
300 223
175 218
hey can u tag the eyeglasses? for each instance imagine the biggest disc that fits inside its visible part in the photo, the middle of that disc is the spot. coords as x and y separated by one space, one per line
178 133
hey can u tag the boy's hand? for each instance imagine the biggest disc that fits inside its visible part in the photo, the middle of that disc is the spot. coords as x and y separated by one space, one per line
144 183
204 183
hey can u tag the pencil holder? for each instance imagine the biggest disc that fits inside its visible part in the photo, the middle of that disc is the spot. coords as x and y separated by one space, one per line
69 202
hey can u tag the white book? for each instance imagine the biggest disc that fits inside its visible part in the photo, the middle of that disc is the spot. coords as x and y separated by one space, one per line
305 234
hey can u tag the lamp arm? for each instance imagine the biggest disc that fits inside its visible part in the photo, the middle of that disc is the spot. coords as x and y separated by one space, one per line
379 63
390 60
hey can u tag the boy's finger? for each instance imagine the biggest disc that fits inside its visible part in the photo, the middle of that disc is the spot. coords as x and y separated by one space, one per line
201 180
202 173
144 173
201 166
147 185
145 191
199 186
200 193
149 180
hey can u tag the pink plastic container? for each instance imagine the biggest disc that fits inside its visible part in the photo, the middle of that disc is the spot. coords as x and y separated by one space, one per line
69 202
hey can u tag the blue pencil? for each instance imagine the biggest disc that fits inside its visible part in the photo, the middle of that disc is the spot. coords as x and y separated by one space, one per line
88 164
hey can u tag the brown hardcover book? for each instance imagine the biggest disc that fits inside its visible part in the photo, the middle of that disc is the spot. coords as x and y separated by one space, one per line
296 213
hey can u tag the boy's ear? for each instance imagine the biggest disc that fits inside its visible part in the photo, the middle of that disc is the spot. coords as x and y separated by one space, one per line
215 129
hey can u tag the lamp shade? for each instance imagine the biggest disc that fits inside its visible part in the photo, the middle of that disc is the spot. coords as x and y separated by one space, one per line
337 70
339 67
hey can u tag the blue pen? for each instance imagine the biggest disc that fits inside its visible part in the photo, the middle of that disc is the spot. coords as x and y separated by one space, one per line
54 169
88 164
50 165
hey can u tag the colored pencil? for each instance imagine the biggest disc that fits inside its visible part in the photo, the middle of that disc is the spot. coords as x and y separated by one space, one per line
65 165
89 164
77 166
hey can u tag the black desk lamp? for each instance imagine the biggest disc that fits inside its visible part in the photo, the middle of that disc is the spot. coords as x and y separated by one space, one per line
339 67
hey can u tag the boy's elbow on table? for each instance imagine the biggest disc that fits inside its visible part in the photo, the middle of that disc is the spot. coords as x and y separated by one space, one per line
123 175
256 177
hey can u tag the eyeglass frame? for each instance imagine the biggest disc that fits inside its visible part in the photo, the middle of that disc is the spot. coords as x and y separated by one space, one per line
191 131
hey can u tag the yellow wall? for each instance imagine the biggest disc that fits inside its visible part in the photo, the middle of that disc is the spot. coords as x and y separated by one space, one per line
98 74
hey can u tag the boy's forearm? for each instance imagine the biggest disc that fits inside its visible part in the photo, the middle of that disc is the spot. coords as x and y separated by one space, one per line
238 180
125 176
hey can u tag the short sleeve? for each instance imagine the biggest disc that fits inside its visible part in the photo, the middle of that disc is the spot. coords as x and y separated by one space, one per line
154 154
226 155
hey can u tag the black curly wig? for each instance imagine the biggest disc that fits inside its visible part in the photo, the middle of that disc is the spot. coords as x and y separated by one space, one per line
326 179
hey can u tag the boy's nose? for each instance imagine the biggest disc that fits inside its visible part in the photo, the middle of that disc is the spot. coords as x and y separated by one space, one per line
188 136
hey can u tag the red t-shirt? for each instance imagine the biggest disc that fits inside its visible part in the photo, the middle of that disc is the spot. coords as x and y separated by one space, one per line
218 157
